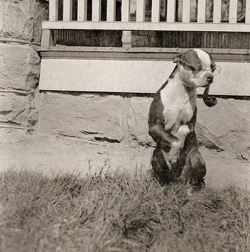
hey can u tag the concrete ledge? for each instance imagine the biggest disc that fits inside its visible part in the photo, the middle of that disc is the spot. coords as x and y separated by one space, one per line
132 76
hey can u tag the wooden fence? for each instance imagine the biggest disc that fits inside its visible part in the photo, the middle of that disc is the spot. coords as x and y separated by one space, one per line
157 15
85 37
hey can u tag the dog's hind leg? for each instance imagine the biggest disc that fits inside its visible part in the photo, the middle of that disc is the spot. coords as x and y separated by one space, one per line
161 170
195 169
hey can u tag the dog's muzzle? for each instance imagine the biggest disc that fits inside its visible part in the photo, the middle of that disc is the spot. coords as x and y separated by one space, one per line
210 77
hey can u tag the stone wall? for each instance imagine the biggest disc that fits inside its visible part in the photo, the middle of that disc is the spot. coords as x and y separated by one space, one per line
20 32
112 118
123 119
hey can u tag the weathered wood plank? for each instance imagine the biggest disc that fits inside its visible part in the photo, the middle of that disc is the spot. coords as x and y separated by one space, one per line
154 50
96 10
161 26
47 39
138 76
155 15
67 10
140 11
125 10
171 10
233 11
201 11
111 5
217 12
247 15
126 39
82 10
113 75
137 53
186 11
53 10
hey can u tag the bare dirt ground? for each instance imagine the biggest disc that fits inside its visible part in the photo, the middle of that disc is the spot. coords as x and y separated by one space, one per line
53 155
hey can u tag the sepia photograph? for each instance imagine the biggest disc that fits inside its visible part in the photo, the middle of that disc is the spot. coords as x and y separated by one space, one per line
124 125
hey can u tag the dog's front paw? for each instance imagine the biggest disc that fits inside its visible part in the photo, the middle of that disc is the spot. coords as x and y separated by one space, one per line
182 132
181 135
177 144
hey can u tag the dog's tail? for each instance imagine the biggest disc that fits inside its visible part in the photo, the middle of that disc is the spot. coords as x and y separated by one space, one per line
209 101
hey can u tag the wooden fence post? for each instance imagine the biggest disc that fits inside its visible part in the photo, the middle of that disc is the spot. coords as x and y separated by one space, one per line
126 39
82 10
171 9
67 10
217 12
140 11
96 10
53 10
155 15
126 35
47 38
111 5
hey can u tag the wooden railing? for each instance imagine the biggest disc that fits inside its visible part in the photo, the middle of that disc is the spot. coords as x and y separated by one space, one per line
171 22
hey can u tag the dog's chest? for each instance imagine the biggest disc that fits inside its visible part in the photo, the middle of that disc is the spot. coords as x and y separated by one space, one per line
178 105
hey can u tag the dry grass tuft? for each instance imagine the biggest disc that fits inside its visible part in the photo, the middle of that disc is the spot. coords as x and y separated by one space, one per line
119 213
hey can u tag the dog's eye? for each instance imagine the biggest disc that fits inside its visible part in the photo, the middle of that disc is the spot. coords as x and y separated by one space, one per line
192 68
200 67
216 70
188 66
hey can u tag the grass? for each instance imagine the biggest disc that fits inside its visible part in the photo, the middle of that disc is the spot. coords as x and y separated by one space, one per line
118 213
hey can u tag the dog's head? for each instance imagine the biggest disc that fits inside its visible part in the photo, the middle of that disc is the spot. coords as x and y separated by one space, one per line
197 70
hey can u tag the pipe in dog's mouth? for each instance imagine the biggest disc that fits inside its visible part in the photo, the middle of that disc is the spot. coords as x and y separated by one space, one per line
209 101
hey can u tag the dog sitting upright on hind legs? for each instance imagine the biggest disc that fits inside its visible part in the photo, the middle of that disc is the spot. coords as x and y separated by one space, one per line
172 118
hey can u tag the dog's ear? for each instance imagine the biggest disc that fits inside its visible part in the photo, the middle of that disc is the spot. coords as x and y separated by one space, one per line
188 57
179 58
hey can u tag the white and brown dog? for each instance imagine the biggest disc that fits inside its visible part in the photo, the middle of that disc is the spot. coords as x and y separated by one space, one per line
172 118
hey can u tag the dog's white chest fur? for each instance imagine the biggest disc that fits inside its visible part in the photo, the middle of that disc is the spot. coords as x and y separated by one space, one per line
178 104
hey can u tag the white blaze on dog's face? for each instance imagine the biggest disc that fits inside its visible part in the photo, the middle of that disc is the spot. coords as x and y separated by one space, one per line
196 67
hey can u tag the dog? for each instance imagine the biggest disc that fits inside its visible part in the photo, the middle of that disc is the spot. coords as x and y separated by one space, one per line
172 118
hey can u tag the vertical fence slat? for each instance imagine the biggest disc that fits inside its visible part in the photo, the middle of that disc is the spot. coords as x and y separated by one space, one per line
125 10
186 11
67 10
140 11
171 10
127 39
47 38
96 10
82 10
126 35
155 15
217 12
247 15
233 11
201 11
111 5
53 10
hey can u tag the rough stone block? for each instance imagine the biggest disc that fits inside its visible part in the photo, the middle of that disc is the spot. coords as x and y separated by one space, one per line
14 109
22 19
228 121
91 117
137 121
20 67
117 119
20 25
